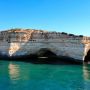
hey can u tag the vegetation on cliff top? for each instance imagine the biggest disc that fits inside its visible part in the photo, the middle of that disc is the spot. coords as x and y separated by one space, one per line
40 31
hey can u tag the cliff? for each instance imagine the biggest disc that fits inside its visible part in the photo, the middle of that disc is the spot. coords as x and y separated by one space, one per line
20 42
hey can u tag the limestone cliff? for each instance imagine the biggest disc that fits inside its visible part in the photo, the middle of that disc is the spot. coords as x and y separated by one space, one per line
19 42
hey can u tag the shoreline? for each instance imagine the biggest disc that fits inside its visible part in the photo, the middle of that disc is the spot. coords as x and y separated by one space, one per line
42 60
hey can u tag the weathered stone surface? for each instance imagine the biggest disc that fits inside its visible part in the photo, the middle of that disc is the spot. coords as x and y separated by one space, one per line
18 42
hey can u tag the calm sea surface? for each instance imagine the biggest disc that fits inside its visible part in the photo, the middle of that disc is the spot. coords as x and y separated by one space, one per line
26 76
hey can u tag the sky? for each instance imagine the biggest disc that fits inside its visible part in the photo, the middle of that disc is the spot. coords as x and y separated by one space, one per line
70 16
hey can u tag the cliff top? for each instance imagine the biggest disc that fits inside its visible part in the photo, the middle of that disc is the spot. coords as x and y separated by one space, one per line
30 31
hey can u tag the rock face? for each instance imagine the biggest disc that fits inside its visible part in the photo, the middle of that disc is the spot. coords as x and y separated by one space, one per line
18 42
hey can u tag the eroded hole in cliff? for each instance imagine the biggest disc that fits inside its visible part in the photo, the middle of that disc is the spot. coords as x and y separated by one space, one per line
87 57
44 52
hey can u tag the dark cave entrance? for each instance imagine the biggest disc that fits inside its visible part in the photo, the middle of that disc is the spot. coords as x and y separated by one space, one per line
44 52
87 57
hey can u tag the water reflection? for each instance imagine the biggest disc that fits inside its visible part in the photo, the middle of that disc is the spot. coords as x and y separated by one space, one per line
86 72
26 76
13 71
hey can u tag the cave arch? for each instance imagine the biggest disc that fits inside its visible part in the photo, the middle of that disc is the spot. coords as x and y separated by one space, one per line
45 52
87 57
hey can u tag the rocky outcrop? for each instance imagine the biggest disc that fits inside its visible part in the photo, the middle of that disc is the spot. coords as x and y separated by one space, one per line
20 42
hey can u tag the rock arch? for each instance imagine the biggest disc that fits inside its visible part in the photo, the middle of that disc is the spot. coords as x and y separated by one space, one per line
87 57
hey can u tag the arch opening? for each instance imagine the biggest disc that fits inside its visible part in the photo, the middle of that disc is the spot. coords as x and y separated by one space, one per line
87 57
44 52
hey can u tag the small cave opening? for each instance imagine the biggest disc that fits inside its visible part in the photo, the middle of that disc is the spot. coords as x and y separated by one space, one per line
44 52
87 57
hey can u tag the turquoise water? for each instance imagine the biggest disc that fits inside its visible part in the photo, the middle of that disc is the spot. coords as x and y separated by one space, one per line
26 76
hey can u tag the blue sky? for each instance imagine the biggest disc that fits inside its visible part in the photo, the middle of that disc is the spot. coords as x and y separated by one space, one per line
71 16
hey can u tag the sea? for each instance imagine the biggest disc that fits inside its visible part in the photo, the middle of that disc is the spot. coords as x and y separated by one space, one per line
27 76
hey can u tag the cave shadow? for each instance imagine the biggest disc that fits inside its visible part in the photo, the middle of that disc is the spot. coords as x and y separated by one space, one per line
45 52
87 57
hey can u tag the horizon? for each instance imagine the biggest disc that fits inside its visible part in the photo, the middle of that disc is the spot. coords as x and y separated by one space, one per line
70 16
